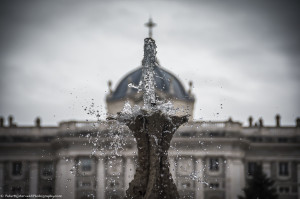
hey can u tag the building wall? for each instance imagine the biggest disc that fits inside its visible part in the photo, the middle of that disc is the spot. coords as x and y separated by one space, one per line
67 163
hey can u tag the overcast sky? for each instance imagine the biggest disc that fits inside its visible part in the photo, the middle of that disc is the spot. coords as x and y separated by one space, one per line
57 56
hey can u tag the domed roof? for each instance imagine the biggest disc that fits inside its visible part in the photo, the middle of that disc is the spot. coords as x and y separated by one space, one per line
165 82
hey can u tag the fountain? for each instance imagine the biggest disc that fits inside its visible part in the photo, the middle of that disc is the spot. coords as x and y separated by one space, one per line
153 126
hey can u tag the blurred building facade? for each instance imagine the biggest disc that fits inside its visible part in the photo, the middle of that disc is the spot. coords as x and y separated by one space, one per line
208 159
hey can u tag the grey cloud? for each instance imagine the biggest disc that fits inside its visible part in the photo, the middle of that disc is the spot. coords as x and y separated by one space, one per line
235 52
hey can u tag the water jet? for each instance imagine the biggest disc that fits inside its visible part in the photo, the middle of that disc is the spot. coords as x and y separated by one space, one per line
153 126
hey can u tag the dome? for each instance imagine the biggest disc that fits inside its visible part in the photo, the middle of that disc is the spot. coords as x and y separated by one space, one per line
165 82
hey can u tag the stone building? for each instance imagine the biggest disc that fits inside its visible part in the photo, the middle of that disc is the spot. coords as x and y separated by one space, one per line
208 159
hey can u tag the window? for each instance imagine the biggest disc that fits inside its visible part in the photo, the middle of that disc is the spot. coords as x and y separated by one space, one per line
185 166
114 183
251 168
187 134
16 190
114 167
86 184
214 164
186 185
284 190
214 185
268 139
89 195
86 164
17 168
283 169
47 169
282 140
47 189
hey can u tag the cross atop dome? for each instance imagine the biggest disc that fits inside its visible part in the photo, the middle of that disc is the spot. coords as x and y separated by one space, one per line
150 24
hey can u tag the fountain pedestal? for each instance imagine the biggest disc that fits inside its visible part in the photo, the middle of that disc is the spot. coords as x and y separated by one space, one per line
153 128
153 132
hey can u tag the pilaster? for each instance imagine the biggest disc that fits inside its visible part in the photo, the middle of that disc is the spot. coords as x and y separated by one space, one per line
129 172
298 179
235 178
172 168
65 178
200 179
33 178
100 178
266 166
1 177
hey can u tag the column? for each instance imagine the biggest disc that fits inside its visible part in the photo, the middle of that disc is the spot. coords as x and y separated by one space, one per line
129 172
1 177
65 178
200 179
298 179
100 178
58 177
172 168
266 166
33 178
235 178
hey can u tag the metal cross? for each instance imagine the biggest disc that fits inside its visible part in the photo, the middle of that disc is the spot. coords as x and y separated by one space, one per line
150 25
